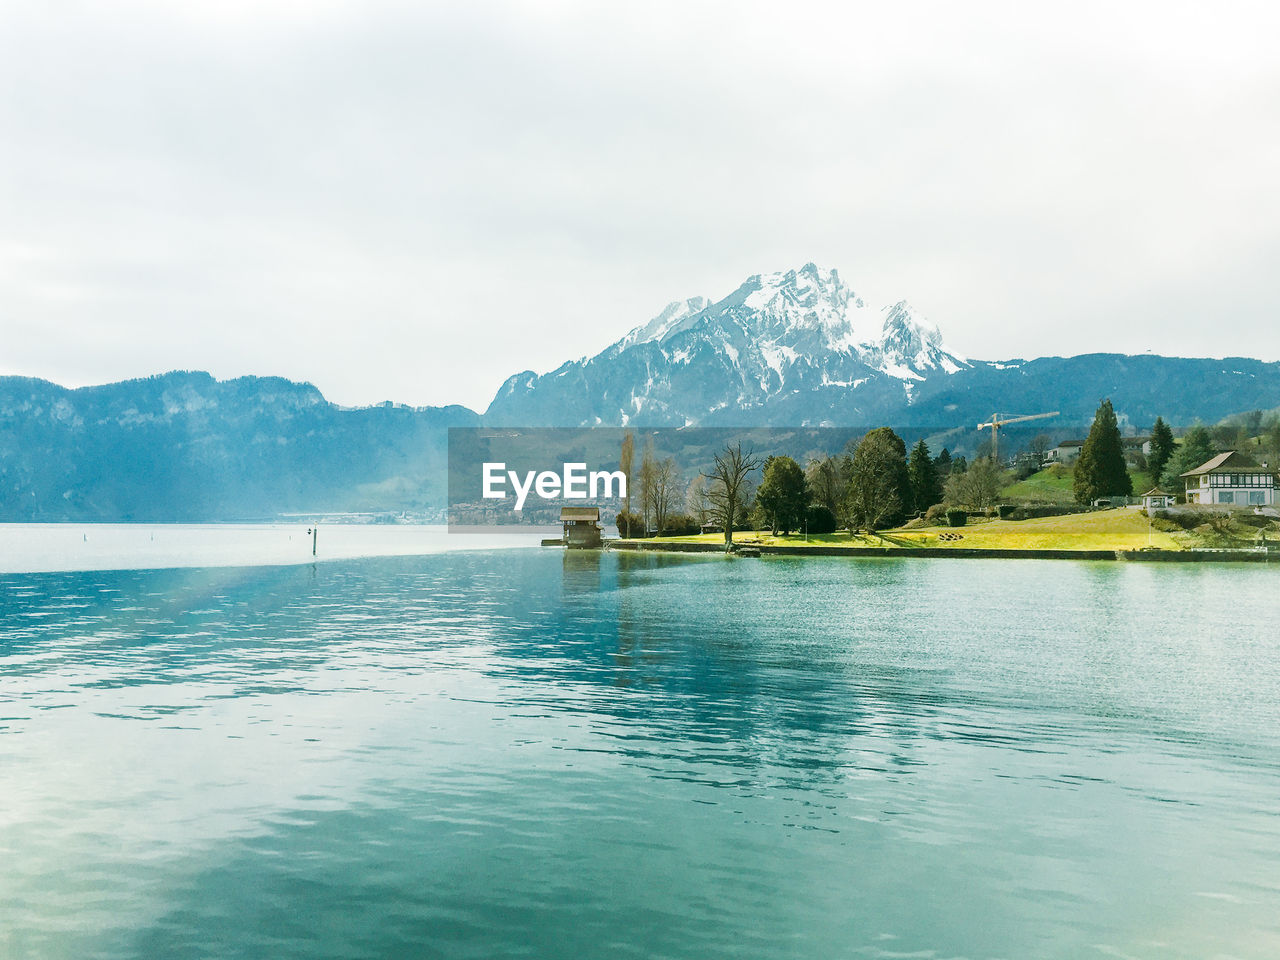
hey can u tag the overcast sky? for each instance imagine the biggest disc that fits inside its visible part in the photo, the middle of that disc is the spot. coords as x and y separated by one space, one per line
412 202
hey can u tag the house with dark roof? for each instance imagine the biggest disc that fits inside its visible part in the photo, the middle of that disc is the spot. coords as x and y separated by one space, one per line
1231 479
1068 451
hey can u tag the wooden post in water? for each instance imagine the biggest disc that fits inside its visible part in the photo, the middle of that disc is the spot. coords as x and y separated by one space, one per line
315 533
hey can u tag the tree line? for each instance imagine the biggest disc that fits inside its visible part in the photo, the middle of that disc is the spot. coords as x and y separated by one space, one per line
872 484
876 484
1102 469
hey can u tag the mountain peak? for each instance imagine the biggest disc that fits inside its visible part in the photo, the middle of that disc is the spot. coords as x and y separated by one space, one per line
904 326
777 337
909 340
810 286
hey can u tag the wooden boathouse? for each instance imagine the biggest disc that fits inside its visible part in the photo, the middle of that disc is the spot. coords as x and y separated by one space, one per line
581 526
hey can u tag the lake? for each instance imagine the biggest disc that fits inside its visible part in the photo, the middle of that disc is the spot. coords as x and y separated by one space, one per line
528 753
35 547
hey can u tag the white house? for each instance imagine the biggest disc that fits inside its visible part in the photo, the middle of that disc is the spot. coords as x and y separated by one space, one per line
1068 451
1231 479
1134 446
1157 499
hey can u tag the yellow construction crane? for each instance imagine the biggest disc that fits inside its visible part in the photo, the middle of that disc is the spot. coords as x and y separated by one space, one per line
999 421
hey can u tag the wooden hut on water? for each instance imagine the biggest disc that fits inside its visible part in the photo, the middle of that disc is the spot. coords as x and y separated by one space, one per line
581 526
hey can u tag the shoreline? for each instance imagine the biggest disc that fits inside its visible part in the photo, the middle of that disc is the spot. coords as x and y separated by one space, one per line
956 553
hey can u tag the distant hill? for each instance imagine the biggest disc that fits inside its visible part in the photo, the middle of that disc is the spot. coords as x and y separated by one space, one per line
184 446
794 349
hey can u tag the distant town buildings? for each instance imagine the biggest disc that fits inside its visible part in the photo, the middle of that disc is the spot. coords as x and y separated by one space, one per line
1068 451
1136 445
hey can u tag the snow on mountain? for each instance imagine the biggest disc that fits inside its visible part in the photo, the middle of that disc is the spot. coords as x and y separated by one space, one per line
779 339
909 345
665 323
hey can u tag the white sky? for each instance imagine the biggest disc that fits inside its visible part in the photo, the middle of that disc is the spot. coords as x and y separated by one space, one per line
414 201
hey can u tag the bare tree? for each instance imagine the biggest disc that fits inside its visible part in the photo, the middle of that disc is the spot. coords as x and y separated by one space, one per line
626 463
727 487
697 503
1039 446
978 487
827 483
646 482
661 492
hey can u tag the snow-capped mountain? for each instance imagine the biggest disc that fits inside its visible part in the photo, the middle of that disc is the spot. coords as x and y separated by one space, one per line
798 347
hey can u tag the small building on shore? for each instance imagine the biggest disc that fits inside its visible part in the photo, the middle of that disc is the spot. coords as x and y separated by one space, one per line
1231 479
581 526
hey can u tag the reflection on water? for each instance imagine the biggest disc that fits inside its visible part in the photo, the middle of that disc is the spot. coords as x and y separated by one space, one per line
549 753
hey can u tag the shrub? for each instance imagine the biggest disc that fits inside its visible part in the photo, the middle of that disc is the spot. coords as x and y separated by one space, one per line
1030 511
630 525
1186 519
821 519
956 518
1253 520
1005 510
681 525
1220 522
935 513
1024 470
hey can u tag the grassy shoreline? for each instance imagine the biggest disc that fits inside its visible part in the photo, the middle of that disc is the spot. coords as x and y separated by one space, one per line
1105 534
1119 529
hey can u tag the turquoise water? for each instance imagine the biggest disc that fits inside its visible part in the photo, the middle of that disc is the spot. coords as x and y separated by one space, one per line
37 547
534 754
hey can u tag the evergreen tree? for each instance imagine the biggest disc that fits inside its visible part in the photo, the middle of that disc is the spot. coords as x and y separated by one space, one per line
1271 439
1161 448
942 466
783 496
1197 447
926 490
879 492
1101 470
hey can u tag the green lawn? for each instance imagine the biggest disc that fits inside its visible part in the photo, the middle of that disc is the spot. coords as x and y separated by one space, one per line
1053 485
1050 485
1119 529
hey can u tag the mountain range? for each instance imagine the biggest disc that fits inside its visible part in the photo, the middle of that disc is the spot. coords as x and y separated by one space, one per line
801 348
796 348
184 446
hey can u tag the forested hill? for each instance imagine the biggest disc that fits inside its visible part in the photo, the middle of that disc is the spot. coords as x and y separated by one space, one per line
184 446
